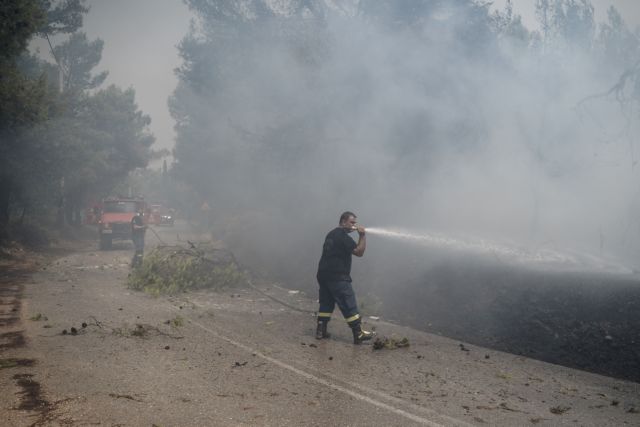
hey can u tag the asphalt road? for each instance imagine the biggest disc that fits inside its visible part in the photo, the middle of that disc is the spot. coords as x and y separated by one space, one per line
238 358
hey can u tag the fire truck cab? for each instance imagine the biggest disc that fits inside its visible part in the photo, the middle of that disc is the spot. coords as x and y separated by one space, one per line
115 219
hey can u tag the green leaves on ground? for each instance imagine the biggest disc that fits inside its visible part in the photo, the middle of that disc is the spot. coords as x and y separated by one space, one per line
390 343
38 317
171 270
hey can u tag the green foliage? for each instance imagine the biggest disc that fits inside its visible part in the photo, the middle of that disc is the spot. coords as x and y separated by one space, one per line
8 363
63 16
390 343
101 143
618 45
25 104
38 317
20 20
114 114
22 101
138 330
176 322
77 57
60 146
509 28
25 101
566 24
163 273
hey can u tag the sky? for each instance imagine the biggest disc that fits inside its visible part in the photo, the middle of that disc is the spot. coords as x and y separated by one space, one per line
140 39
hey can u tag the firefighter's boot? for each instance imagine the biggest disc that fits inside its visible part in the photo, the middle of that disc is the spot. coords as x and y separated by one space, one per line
136 261
321 330
360 335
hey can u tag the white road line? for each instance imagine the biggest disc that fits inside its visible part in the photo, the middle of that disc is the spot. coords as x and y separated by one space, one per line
450 421
327 383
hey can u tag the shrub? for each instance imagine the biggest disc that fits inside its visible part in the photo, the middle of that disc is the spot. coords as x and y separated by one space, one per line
171 270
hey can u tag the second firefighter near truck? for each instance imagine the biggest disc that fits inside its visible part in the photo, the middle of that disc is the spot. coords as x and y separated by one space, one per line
138 228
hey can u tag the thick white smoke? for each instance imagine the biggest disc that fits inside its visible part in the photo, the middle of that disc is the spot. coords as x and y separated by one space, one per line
431 123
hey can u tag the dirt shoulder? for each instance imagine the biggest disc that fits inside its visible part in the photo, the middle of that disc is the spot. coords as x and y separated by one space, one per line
240 358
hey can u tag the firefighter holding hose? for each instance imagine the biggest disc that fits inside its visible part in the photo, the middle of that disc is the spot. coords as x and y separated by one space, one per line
334 277
138 228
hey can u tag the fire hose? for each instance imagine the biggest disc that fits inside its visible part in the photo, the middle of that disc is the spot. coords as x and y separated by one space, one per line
157 236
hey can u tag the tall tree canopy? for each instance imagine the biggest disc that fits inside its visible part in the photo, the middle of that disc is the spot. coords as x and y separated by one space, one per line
61 145
78 57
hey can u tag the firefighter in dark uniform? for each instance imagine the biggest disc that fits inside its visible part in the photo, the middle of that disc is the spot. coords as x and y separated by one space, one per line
334 277
137 235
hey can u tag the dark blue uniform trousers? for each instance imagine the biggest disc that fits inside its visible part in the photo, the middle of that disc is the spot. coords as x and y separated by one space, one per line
138 242
341 293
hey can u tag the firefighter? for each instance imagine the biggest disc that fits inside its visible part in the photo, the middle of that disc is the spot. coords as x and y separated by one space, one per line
138 229
334 277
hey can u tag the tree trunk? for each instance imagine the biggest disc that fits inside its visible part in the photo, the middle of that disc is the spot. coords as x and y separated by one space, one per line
77 214
68 211
5 201
24 212
61 205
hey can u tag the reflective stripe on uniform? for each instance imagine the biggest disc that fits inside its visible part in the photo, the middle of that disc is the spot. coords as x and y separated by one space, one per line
352 318
321 314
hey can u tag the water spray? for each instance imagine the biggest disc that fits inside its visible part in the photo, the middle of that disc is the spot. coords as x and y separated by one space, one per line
506 253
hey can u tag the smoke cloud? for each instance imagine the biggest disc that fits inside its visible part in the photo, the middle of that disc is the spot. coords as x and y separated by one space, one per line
429 118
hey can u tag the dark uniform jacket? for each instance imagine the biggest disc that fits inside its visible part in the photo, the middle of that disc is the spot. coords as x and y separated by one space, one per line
335 263
137 220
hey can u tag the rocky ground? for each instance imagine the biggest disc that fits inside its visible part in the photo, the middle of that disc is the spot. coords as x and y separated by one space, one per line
79 348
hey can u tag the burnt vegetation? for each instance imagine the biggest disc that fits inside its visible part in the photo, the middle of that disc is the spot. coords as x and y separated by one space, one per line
584 321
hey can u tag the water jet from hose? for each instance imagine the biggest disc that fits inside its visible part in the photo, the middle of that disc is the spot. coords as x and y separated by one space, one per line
544 257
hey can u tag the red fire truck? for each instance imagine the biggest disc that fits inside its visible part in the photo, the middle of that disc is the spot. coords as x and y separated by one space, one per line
115 219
